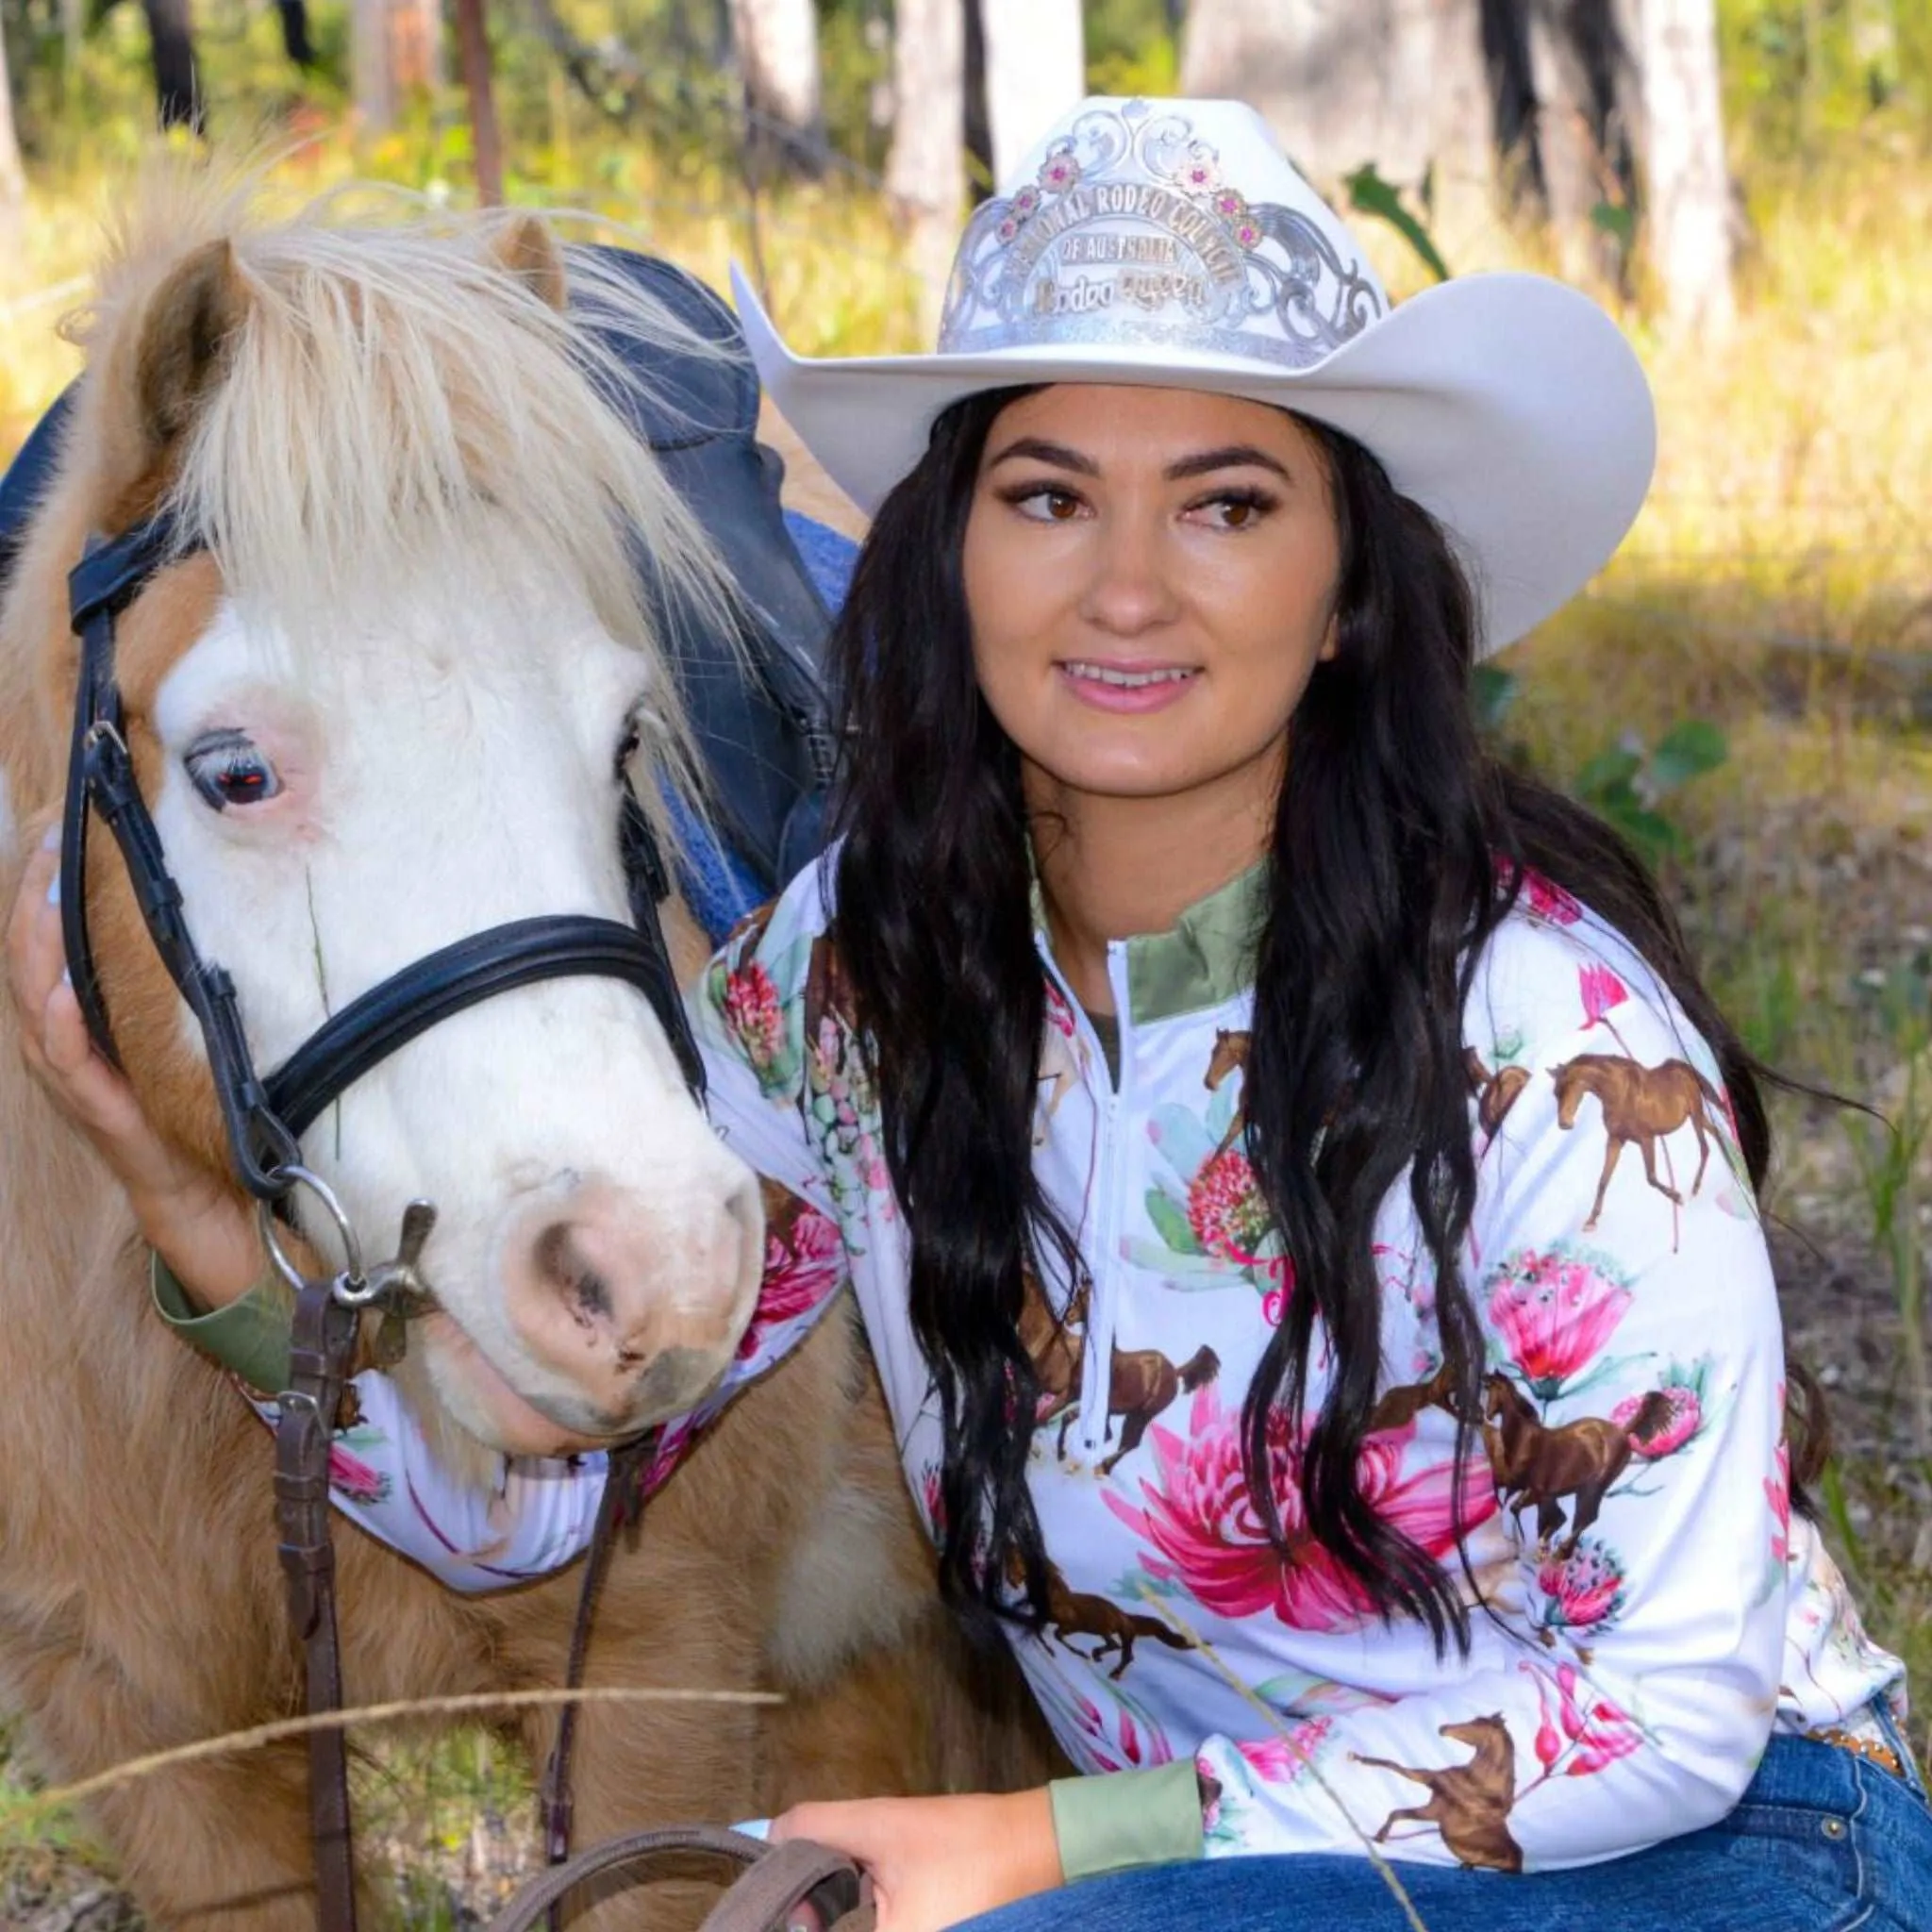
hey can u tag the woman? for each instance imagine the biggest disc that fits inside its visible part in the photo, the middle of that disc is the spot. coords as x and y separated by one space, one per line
1219 1074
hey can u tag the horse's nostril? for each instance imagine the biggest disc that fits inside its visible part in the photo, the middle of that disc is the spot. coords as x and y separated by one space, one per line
562 1265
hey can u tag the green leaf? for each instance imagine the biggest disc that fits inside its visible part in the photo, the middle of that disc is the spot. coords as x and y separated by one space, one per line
1651 832
1608 776
1171 1223
1493 690
1618 222
1370 194
1687 751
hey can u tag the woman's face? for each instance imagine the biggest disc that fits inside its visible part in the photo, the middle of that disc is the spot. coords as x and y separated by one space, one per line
1151 577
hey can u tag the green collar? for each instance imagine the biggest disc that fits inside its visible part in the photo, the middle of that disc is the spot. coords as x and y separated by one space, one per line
1201 961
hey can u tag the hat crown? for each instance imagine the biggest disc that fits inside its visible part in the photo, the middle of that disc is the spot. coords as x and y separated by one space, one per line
1132 224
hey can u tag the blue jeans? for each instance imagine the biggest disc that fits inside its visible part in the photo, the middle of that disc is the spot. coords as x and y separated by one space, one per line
1821 1841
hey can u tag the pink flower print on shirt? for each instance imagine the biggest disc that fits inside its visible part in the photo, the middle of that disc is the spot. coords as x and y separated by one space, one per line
1555 1309
1548 900
1205 1533
1284 1758
1576 1739
1225 1208
354 1477
805 1263
1582 1592
1777 1492
752 1012
1545 897
1684 1419
1602 991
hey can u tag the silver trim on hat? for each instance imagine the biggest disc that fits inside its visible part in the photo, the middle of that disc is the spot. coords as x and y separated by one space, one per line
1129 235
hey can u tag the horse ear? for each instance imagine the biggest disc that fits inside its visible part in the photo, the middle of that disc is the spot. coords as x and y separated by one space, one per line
526 249
183 343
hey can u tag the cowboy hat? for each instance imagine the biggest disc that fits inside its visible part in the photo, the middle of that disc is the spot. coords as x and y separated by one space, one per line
1173 244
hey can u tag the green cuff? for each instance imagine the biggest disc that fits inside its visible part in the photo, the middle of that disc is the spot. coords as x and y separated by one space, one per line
1126 1817
250 1335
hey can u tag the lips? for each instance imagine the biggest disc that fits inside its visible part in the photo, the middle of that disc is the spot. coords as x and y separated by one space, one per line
1127 677
1126 690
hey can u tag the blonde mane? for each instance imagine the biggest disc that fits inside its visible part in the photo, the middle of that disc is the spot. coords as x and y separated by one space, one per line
397 399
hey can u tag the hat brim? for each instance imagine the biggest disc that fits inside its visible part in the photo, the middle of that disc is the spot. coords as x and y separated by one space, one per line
1508 406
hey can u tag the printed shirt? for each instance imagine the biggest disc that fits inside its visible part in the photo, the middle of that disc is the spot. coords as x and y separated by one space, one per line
1653 1608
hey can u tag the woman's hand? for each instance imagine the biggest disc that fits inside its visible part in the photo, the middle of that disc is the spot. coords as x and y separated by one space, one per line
201 1230
935 1861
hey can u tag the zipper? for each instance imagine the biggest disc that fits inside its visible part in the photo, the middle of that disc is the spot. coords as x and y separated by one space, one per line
1096 1355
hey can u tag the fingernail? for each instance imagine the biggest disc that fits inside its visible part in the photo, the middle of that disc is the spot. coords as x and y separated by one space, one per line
54 889
67 978
50 838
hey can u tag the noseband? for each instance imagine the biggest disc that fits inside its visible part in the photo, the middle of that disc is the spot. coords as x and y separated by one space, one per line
264 1117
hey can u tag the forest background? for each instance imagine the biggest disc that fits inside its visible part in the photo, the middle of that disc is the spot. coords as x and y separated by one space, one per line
1746 691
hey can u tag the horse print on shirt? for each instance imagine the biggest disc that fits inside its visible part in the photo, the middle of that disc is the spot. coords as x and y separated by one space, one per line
1468 1804
1495 1093
1644 1104
1072 1613
1142 1383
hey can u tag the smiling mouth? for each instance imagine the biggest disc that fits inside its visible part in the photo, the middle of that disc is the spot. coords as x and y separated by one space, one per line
1127 680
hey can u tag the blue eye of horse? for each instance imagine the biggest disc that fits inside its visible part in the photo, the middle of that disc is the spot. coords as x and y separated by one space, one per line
227 770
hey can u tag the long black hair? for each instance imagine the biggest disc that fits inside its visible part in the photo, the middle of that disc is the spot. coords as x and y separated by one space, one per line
1399 846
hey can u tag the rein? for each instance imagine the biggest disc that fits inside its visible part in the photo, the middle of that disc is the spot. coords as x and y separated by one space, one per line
264 1117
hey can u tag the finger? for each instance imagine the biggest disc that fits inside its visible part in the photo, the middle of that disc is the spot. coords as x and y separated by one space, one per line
35 954
89 1084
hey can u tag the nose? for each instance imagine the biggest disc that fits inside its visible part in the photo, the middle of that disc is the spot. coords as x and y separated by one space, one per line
1127 590
638 1303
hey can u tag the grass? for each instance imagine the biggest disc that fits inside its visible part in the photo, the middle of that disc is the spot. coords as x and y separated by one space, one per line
1778 583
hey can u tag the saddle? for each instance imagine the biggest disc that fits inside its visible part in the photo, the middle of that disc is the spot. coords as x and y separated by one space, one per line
757 700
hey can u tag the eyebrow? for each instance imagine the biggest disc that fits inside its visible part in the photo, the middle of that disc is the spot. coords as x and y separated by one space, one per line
1235 455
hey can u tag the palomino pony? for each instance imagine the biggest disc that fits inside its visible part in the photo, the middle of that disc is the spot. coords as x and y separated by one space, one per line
396 697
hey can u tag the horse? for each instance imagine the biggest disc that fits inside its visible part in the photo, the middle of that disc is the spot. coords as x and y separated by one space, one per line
1640 1103
1495 1093
1468 1804
407 685
1541 1465
1141 1384
1080 1613
1230 1056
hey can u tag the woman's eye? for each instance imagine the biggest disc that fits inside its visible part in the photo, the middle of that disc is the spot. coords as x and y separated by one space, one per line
227 770
1235 510
1046 505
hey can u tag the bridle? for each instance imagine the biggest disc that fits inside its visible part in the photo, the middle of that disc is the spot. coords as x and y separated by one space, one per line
265 1115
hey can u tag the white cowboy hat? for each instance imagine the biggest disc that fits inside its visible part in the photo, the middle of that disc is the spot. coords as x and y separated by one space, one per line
1172 243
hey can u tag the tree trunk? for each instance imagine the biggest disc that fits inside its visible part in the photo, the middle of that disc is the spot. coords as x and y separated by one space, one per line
415 30
296 42
1688 189
12 170
1399 83
371 81
177 81
1036 70
923 169
395 52
486 141
777 44
1585 106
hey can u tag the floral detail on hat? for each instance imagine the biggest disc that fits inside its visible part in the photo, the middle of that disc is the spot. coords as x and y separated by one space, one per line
1130 228
1060 171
